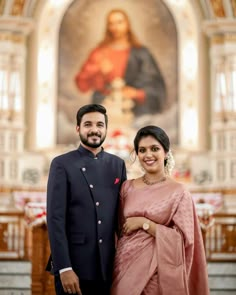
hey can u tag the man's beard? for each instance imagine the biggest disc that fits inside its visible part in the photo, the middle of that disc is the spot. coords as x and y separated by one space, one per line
85 140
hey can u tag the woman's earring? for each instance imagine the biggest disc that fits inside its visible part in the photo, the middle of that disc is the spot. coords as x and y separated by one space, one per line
169 163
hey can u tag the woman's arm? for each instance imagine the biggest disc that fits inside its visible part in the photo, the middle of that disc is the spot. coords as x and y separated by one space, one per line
132 224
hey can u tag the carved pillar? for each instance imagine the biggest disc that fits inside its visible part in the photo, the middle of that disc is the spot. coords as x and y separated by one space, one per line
13 53
223 101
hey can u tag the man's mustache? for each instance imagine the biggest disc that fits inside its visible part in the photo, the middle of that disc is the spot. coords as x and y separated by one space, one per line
94 134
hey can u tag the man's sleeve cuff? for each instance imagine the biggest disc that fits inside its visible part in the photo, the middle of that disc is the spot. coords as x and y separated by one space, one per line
65 269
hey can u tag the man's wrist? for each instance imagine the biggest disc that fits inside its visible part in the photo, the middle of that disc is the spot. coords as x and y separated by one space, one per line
65 269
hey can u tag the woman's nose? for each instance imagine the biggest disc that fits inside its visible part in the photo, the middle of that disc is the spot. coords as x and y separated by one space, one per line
148 153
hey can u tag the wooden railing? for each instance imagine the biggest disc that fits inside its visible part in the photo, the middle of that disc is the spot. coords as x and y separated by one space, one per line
220 238
42 281
12 235
21 242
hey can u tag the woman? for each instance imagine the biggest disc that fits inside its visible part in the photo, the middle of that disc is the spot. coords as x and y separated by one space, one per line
160 250
120 55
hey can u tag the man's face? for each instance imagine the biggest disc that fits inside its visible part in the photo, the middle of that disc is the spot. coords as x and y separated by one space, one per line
117 25
92 129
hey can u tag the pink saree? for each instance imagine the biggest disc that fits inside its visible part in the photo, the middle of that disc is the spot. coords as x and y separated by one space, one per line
174 262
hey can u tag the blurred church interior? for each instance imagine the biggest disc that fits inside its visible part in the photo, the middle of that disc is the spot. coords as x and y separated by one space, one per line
204 146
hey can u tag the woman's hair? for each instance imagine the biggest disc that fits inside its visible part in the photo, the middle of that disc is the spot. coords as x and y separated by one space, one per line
154 131
131 36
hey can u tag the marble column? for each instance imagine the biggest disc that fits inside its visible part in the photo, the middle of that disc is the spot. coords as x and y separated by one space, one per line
13 56
222 37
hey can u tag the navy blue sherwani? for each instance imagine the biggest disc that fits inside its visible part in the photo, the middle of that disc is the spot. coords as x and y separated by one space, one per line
82 204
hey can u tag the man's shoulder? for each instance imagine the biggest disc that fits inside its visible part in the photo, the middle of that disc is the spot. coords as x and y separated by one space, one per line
113 157
65 156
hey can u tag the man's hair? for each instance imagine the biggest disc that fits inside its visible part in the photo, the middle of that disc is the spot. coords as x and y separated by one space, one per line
91 108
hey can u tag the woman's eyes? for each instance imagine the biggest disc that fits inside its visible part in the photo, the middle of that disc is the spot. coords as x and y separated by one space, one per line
141 150
153 149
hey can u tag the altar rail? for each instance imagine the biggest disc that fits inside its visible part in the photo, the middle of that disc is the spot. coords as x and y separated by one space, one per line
21 242
220 238
17 241
13 235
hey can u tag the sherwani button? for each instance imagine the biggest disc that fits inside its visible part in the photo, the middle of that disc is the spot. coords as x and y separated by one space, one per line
100 241
91 185
99 222
83 169
97 203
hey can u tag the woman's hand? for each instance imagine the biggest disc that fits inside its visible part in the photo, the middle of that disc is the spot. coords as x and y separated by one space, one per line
132 224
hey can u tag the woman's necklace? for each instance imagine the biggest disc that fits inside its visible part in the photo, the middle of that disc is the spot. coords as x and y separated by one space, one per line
146 181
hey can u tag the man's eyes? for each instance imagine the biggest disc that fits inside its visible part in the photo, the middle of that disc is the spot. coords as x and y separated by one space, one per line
98 125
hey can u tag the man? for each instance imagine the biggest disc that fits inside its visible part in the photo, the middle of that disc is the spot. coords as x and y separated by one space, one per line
82 202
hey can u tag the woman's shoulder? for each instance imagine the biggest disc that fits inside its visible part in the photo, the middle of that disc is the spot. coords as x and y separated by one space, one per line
127 183
176 185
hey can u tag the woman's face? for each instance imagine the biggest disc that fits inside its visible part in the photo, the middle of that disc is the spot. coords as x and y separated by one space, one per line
117 25
151 154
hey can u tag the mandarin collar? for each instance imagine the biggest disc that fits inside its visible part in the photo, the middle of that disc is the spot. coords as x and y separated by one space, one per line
85 152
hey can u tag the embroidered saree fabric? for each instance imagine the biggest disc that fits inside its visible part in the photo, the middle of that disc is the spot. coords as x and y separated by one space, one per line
174 261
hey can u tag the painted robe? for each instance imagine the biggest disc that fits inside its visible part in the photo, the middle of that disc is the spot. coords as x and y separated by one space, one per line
136 66
173 262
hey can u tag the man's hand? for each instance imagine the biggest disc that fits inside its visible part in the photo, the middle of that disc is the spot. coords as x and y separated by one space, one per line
70 282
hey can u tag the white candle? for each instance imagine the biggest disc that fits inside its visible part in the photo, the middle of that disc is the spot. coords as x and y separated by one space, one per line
4 103
233 89
15 90
223 91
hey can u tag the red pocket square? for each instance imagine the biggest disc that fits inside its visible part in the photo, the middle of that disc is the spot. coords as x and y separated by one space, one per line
117 180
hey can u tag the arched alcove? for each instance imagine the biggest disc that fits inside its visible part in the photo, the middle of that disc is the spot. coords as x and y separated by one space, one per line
44 73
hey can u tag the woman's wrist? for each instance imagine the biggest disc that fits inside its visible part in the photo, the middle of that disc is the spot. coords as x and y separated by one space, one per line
146 224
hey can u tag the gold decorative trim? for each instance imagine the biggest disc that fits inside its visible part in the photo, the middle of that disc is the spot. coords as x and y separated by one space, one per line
16 38
218 8
220 39
18 7
217 39
233 2
20 25
2 5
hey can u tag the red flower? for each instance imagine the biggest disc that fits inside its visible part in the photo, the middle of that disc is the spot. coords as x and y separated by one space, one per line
116 132
117 180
